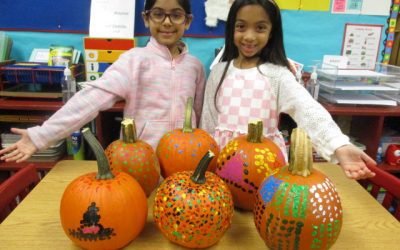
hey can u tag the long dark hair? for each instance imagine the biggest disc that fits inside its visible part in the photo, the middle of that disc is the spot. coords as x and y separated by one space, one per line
273 52
185 4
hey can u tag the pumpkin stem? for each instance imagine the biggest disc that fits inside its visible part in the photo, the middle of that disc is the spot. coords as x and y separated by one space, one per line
128 128
104 172
255 131
199 175
187 125
300 160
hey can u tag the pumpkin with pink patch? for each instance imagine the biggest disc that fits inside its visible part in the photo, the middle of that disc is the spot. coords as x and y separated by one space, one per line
245 161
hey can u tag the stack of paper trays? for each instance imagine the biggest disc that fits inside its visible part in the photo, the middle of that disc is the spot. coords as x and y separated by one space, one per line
53 153
363 87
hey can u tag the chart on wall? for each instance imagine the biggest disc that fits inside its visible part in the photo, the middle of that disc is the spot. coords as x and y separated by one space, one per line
361 45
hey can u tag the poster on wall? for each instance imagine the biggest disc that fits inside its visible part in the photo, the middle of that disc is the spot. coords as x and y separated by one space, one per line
361 45
112 18
362 7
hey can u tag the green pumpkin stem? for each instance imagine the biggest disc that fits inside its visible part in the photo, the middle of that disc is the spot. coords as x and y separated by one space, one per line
187 125
255 131
128 128
300 160
104 172
199 175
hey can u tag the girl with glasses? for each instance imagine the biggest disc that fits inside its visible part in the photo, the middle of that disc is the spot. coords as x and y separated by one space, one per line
154 81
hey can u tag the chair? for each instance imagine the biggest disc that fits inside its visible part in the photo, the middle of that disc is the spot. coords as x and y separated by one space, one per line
391 184
14 189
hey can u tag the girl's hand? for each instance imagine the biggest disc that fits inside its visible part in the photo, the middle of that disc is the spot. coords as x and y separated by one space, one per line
21 150
355 162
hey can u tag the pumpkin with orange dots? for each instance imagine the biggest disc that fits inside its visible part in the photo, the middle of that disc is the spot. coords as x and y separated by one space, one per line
181 149
298 207
104 210
245 161
135 157
193 208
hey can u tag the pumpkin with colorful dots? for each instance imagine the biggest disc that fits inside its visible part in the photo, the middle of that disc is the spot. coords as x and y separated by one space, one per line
181 149
298 208
135 157
103 210
245 161
193 208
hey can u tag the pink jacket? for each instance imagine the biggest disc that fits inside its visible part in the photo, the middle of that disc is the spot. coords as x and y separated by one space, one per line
154 86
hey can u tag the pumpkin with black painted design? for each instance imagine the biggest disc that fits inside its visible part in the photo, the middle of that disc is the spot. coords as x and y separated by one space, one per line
299 207
193 208
245 161
103 210
135 157
181 149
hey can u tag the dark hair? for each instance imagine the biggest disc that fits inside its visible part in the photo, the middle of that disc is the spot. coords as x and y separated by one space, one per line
185 4
273 52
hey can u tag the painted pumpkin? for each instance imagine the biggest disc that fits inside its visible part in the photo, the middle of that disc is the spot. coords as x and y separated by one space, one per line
181 149
298 208
135 157
103 210
193 208
245 161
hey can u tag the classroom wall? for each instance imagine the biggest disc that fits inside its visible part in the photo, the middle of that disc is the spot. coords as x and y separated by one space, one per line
308 35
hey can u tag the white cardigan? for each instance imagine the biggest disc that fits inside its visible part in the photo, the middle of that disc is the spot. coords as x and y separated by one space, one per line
293 99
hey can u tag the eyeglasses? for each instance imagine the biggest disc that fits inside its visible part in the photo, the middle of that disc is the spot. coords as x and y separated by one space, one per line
159 16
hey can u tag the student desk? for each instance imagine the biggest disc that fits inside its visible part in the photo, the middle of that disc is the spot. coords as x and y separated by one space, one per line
35 223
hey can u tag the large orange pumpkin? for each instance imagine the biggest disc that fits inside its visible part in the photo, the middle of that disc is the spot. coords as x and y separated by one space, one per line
245 161
193 208
135 157
181 149
298 208
103 210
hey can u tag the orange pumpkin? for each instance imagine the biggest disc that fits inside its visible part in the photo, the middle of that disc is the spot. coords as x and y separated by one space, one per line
103 210
298 208
135 157
245 161
193 208
181 149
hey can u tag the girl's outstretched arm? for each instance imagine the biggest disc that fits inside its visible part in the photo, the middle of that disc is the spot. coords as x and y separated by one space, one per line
21 150
354 162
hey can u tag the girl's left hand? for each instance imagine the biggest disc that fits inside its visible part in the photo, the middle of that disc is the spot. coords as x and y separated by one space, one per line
355 162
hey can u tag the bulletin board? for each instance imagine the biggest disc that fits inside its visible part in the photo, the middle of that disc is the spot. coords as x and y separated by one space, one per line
73 16
308 35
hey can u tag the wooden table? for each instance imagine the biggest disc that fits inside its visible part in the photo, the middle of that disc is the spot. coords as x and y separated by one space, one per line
35 223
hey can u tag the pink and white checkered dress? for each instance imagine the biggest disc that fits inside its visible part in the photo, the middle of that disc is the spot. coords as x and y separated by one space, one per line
246 94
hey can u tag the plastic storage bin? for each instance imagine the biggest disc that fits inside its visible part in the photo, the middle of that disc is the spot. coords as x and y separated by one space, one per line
364 87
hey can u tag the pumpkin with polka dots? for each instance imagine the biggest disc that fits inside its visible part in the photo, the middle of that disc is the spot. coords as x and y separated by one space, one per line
134 157
298 208
193 208
245 161
182 148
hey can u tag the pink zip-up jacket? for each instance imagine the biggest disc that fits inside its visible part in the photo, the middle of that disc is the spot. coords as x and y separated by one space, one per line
154 85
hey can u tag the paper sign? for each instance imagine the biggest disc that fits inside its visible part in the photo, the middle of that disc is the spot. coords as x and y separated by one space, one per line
338 6
376 7
333 60
112 18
